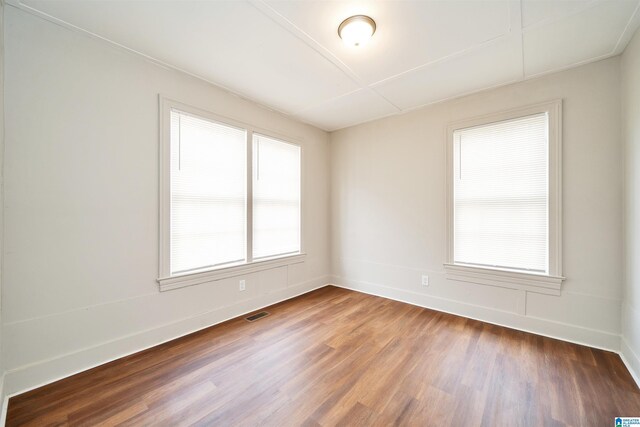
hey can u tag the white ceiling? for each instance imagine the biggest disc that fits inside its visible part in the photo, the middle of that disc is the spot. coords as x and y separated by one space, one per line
287 54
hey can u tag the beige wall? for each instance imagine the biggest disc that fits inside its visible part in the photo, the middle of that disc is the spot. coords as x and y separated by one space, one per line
388 208
631 134
81 206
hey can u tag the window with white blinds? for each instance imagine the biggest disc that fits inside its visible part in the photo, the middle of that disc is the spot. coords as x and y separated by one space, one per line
276 197
208 194
229 198
501 195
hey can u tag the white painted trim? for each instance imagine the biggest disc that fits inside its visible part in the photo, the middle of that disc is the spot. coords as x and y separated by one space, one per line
165 279
176 282
5 402
296 115
36 375
29 377
630 360
542 284
628 32
164 184
158 62
486 276
249 197
5 406
563 331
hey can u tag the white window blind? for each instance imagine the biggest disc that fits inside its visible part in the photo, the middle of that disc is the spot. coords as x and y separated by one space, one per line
208 194
276 197
501 195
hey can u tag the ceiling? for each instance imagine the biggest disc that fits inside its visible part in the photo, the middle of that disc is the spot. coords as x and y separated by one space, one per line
287 54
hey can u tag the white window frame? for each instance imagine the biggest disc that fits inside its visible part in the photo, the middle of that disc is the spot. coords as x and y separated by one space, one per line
165 279
551 282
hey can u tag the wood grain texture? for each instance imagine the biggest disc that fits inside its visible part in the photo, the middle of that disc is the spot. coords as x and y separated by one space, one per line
338 357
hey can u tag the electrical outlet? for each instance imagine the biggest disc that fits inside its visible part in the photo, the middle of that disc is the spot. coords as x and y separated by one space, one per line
242 285
425 280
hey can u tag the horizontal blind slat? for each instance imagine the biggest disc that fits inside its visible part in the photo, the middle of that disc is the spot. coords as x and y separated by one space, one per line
276 197
208 193
501 194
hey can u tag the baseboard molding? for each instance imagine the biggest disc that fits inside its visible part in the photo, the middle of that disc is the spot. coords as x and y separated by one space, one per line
557 330
25 378
630 359
29 377
5 402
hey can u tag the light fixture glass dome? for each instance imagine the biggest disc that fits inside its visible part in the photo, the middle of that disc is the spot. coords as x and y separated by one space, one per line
356 30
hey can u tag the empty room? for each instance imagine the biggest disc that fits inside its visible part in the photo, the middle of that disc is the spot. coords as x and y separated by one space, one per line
320 213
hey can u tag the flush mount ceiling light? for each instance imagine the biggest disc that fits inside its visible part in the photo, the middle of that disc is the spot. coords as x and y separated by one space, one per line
356 30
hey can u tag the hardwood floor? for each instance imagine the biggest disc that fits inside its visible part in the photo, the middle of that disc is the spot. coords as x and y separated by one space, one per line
337 357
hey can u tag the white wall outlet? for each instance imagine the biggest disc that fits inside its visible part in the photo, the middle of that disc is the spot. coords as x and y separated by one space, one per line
242 286
425 280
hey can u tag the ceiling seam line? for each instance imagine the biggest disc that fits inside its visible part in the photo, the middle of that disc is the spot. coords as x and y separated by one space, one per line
385 98
554 19
269 12
328 55
157 62
626 27
445 58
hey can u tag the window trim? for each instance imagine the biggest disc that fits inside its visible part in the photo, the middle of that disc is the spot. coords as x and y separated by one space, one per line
167 281
528 281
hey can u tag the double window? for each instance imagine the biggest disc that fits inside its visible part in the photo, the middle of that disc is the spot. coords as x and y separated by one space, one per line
230 195
504 184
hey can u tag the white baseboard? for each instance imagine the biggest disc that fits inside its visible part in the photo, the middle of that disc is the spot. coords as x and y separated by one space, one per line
630 359
5 402
562 331
44 372
5 405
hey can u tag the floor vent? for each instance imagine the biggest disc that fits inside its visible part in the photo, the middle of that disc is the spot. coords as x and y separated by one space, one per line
257 316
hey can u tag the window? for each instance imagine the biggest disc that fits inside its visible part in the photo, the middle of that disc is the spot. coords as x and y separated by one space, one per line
230 198
208 194
276 197
504 200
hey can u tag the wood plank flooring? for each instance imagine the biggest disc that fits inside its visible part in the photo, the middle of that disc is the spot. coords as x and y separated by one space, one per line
338 357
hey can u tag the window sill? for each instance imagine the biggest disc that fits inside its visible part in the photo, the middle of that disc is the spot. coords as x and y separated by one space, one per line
539 283
176 282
